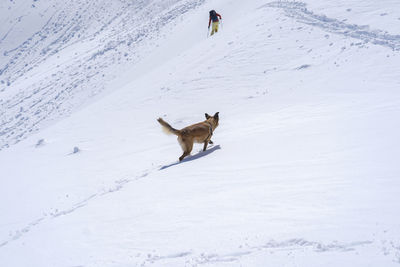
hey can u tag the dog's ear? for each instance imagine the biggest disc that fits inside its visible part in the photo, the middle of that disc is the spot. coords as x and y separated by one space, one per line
207 116
216 115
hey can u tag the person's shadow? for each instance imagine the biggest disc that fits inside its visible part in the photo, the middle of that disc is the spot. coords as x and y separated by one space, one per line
194 157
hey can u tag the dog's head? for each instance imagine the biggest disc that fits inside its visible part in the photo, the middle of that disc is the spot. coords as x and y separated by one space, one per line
213 119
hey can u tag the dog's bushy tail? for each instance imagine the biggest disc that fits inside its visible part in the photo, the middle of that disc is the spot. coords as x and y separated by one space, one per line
168 128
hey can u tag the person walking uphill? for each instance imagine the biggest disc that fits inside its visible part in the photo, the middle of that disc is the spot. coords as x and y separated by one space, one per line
215 21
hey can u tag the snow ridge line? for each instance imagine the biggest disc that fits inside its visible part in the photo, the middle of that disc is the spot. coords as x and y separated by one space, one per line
299 11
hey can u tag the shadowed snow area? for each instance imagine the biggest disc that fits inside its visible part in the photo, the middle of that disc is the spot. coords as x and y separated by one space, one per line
304 166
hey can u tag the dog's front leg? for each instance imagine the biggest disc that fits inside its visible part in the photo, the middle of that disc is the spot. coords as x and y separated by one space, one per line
205 145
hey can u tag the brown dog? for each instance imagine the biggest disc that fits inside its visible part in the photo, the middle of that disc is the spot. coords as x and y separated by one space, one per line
200 133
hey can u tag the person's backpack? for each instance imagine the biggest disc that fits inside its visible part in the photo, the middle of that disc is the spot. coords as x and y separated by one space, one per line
213 16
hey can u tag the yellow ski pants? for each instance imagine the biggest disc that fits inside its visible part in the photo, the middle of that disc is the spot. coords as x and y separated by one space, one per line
214 27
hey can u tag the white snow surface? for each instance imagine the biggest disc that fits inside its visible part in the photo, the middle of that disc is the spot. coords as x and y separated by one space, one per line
304 168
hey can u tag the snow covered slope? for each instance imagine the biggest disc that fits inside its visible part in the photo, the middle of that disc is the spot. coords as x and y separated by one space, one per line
57 55
304 170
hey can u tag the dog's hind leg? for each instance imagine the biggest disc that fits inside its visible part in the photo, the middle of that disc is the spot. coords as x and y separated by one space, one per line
185 153
187 146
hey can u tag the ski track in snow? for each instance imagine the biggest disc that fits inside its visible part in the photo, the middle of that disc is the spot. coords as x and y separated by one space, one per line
50 95
196 259
289 246
119 184
112 42
299 12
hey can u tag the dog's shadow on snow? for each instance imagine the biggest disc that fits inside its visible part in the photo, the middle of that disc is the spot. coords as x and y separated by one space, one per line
194 157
